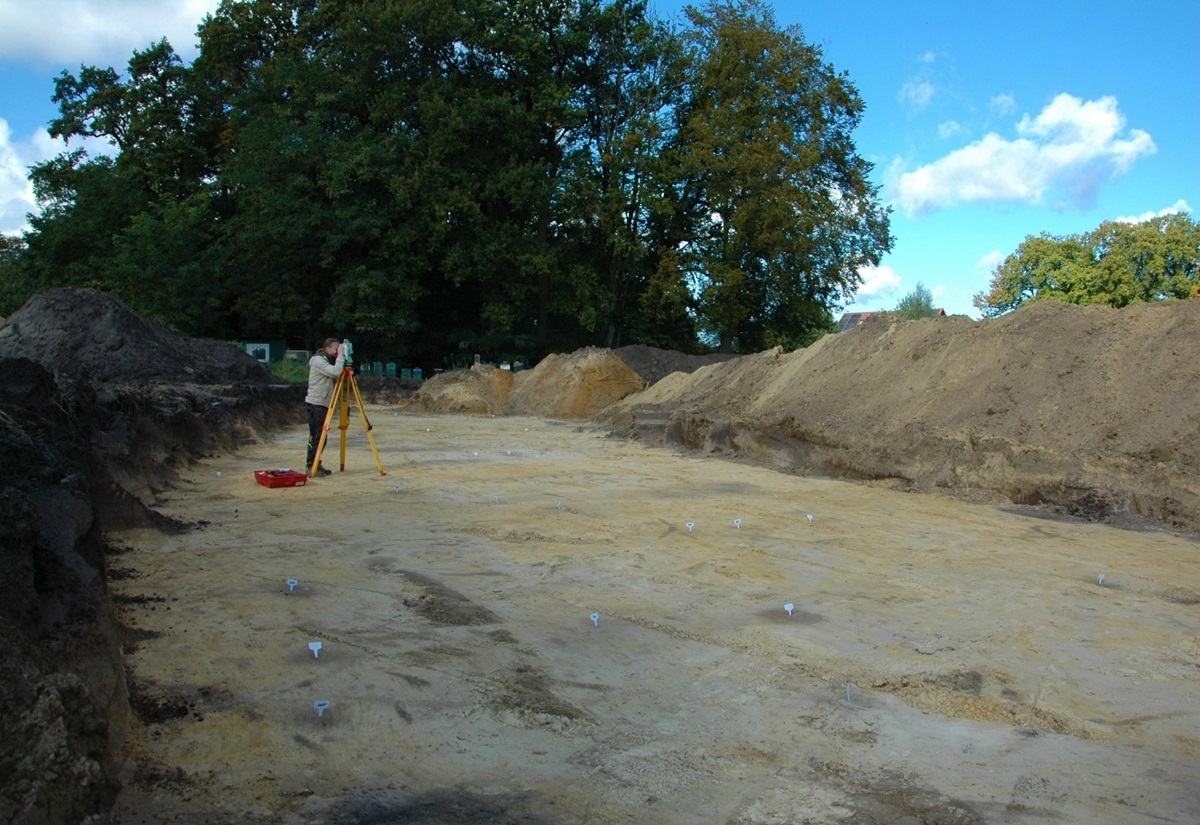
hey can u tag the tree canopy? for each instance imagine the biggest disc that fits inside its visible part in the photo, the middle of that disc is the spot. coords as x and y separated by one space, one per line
440 178
782 215
916 304
1116 264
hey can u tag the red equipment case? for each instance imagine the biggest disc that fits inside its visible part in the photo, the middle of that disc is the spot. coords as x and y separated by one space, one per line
280 478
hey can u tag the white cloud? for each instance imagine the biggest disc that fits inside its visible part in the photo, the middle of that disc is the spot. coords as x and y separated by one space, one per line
916 93
928 57
877 280
71 32
1179 207
16 156
990 261
949 128
16 192
1067 151
1004 104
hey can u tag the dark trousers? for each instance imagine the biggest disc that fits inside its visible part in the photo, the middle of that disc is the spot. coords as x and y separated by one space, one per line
316 420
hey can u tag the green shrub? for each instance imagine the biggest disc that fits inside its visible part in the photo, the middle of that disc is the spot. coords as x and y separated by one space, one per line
288 370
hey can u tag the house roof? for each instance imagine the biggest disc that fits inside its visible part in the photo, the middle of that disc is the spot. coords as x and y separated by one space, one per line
853 319
850 320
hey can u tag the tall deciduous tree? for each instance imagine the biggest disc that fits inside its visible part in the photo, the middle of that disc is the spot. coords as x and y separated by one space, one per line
782 214
1116 264
439 178
614 197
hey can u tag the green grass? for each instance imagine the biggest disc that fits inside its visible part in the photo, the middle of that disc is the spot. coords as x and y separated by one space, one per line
295 371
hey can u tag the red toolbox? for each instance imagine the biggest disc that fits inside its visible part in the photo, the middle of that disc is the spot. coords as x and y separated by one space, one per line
280 478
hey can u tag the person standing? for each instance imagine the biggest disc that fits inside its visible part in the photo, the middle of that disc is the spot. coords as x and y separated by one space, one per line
323 369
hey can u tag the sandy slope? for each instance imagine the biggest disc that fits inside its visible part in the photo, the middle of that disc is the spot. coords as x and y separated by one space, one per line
1082 410
991 678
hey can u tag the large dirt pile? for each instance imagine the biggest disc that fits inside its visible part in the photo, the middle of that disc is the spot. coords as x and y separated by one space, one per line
654 364
161 399
95 337
98 409
1089 411
578 385
481 390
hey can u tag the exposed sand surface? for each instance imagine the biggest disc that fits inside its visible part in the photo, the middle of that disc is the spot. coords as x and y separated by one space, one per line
945 662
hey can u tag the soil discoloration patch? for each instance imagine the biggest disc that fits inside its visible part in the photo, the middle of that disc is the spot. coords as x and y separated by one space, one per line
444 606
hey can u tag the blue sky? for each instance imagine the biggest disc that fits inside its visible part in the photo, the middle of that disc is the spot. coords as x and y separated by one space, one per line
986 122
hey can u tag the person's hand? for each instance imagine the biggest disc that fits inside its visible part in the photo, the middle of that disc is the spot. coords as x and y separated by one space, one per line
341 353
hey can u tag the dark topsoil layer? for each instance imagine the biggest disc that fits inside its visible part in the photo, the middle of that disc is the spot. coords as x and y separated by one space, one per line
654 364
99 408
1084 411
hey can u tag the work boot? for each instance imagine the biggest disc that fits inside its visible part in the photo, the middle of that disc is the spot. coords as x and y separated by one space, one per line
322 472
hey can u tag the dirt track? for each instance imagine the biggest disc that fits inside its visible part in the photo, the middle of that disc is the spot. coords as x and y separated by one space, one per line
945 662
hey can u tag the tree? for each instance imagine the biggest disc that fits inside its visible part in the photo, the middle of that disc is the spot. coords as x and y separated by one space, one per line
916 304
1116 264
781 214
493 176
139 223
616 181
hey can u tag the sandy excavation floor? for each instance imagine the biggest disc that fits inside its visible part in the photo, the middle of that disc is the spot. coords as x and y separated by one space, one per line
944 662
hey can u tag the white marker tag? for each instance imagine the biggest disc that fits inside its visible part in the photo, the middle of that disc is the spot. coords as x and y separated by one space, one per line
315 647
596 619
691 525
291 583
321 705
789 607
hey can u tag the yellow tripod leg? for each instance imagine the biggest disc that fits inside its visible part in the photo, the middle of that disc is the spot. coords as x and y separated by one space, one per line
337 388
343 422
366 425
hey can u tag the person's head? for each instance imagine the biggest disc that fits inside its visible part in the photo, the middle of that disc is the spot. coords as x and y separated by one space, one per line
329 348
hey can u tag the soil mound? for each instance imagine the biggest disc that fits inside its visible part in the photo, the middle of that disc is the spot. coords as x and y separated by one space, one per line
1087 411
161 399
654 364
577 385
94 336
481 390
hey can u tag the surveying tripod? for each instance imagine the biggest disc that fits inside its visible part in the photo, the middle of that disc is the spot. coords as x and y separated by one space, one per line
346 384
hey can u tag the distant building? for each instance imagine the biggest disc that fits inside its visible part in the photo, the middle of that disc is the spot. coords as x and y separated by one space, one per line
849 320
853 319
